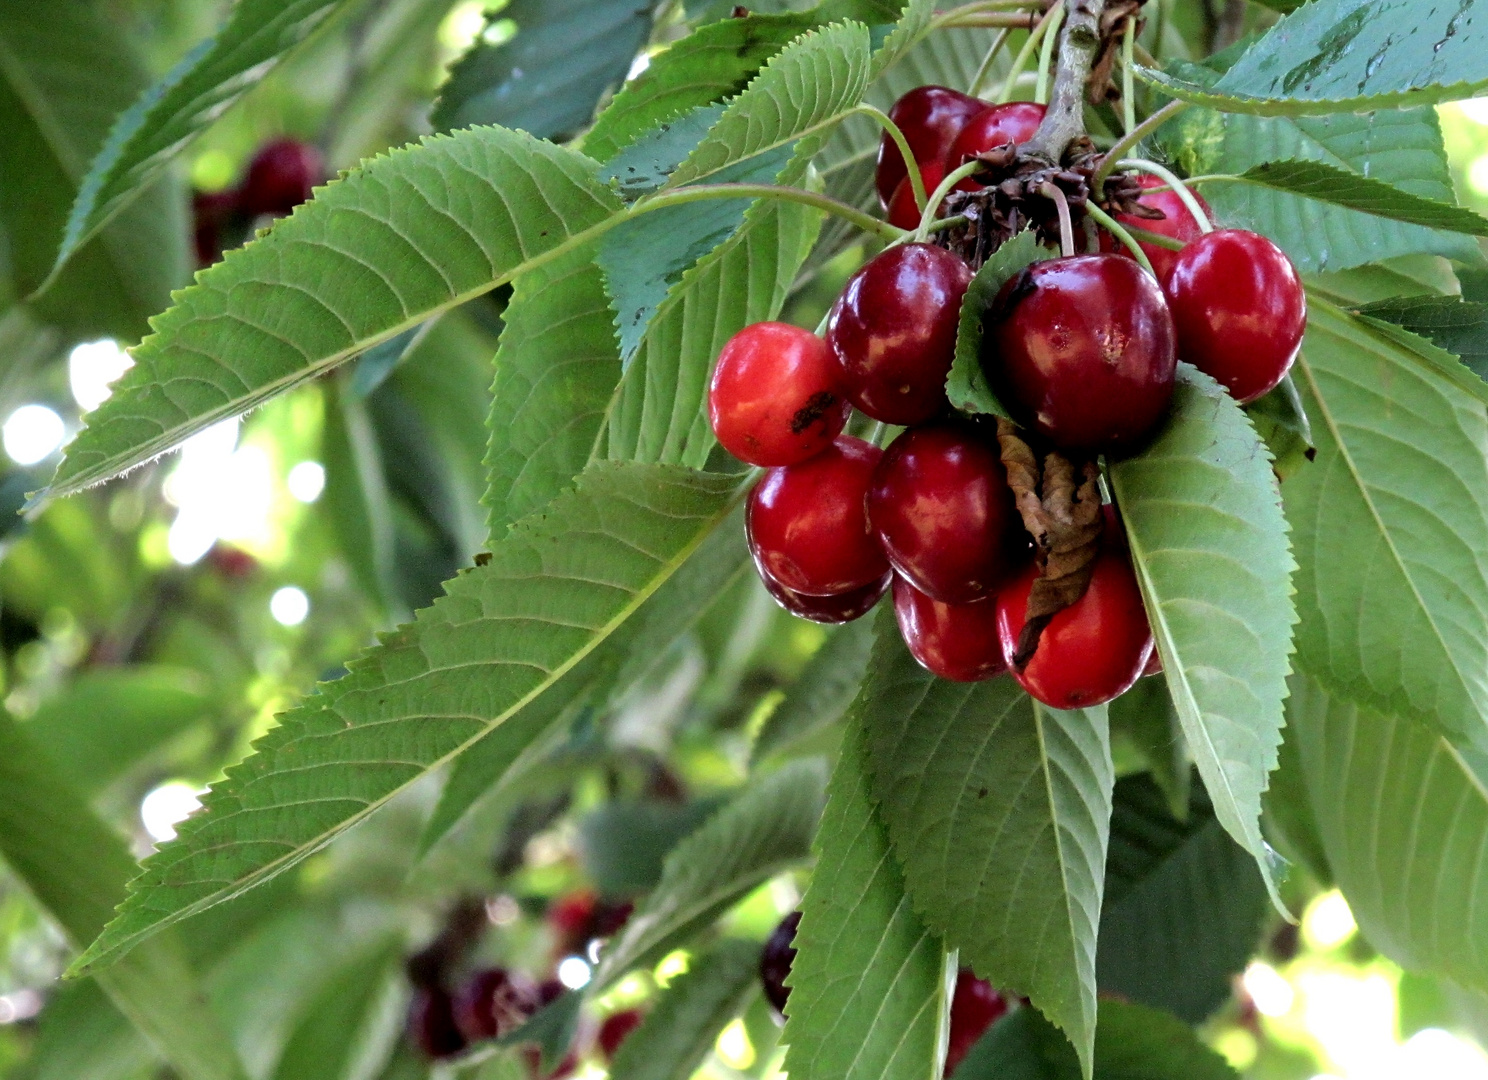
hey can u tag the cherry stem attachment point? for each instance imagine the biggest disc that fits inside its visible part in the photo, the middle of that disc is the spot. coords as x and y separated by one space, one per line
1119 231
1131 139
911 167
1066 227
1046 54
927 216
1024 54
1178 186
1128 87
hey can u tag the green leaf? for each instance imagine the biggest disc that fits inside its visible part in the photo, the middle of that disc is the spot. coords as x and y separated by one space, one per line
967 385
76 866
1393 278
766 829
1450 323
998 808
869 984
552 592
803 90
624 843
1145 716
549 77
168 116
822 694
1319 180
1403 819
356 496
331 1038
1184 906
1209 545
1282 423
683 1024
400 239
1395 617
1350 56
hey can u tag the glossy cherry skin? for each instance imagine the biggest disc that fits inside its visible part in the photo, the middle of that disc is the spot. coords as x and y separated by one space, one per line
281 176
774 397
808 523
974 1008
1086 348
1177 222
942 509
431 1023
903 210
776 959
892 332
1093 650
837 608
616 1029
1013 122
930 117
1239 309
955 641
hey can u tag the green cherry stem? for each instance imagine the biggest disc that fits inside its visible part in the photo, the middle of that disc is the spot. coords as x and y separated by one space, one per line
1066 226
1119 231
1147 236
1046 54
1128 87
1179 188
1130 139
1025 53
985 69
927 216
916 181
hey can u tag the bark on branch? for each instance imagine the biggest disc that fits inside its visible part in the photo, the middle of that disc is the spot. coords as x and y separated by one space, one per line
1079 44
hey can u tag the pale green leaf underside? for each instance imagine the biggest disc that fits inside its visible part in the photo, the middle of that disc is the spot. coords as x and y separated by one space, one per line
1395 616
402 238
999 811
554 589
867 984
1209 545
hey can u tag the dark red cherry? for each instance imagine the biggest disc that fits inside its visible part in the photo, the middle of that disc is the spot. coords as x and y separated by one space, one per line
1154 664
212 215
808 523
837 608
431 1023
893 332
564 1069
774 398
903 210
955 641
943 511
616 1029
1013 122
1239 309
974 1008
1177 222
1085 346
1090 652
281 176
493 1002
775 961
930 117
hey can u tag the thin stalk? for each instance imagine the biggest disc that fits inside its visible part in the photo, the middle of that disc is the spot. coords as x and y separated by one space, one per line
911 167
1178 186
947 223
985 69
1147 236
927 217
1020 62
1046 54
1015 20
1131 138
1119 231
1066 227
1128 87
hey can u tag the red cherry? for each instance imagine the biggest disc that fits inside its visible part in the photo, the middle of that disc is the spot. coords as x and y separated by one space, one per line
1177 222
616 1028
903 210
943 511
570 916
565 1068
775 961
1014 122
955 641
492 1003
1154 664
930 117
431 1023
1090 652
212 214
1239 309
893 331
837 608
808 523
1086 347
974 1008
281 176
774 398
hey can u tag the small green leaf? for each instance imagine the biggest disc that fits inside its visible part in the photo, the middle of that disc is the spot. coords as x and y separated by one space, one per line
869 982
1281 422
623 843
766 829
1317 180
1450 323
1209 545
1145 716
822 694
967 385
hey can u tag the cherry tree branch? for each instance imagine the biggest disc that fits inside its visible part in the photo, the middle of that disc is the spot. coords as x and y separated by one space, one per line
1079 43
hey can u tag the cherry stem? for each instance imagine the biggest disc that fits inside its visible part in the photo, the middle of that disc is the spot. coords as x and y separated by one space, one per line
927 216
1147 236
1128 87
1066 227
1130 139
1178 186
986 66
1046 54
1025 53
1119 231
911 166
958 16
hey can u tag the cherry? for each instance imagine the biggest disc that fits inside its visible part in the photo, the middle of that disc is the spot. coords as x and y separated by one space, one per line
1239 309
943 511
565 1068
903 210
774 397
281 176
1177 222
581 916
492 1003
955 641
893 331
212 215
930 117
1014 122
615 1029
808 523
1086 348
837 608
975 1007
1090 652
1154 664
431 1023
775 961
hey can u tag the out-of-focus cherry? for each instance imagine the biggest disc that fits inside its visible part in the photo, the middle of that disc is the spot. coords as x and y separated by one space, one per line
775 961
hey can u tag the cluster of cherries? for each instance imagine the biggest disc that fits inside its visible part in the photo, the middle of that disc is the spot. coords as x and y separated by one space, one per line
975 1005
1083 348
281 175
